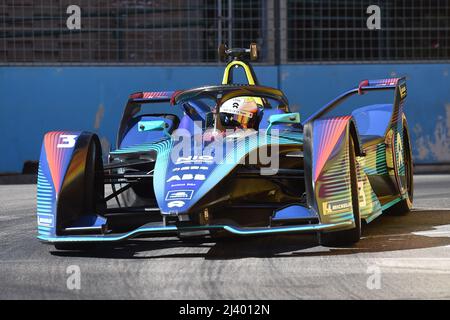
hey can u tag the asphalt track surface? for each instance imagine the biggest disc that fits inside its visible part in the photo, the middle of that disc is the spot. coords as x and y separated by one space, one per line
405 257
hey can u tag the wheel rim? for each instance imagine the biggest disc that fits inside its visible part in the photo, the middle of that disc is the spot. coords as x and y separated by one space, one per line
408 166
354 185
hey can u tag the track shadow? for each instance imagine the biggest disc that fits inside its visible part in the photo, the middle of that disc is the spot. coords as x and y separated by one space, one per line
417 230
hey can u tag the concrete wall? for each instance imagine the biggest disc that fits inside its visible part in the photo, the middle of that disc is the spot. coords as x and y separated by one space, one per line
34 100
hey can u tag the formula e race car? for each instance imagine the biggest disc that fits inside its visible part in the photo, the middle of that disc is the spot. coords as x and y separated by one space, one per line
237 162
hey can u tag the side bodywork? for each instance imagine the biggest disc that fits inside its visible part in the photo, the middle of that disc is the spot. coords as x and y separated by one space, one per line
379 131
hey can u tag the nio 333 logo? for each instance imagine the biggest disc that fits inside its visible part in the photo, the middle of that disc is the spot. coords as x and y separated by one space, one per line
67 141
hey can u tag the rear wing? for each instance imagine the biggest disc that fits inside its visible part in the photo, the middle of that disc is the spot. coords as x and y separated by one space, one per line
398 85
149 97
135 101
389 83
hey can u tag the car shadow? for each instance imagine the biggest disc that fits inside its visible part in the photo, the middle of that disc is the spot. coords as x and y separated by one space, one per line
417 230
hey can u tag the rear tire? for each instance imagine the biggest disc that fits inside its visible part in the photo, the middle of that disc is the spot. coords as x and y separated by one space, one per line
350 236
405 205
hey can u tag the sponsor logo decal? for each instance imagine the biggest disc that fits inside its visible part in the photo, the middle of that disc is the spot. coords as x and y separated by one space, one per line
67 141
187 176
190 168
336 206
179 194
195 159
237 106
176 204
45 220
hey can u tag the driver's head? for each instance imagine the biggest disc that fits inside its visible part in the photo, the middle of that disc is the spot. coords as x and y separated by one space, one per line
239 112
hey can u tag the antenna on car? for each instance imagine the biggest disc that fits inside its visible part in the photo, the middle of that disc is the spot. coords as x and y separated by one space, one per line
238 58
241 54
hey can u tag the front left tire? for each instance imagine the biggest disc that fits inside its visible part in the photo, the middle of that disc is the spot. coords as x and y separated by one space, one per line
350 236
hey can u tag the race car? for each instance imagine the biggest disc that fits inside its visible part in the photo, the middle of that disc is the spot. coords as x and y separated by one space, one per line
237 162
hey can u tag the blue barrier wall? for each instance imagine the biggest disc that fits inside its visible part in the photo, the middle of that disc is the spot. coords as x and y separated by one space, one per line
34 100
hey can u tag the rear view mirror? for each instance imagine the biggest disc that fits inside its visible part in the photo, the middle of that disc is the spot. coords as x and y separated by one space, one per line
286 118
154 125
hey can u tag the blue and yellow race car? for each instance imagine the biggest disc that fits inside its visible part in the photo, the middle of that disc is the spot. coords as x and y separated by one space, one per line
238 161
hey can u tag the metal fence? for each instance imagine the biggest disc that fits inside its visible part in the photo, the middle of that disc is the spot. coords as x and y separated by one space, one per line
189 31
336 31
126 31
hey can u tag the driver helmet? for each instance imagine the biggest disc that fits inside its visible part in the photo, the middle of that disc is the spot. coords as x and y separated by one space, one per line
239 112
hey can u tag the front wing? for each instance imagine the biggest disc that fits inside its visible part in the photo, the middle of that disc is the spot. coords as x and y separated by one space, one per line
158 230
